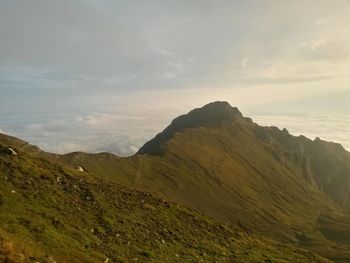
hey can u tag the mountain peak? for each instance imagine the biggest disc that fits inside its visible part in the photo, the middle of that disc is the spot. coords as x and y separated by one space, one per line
210 114
216 111
217 105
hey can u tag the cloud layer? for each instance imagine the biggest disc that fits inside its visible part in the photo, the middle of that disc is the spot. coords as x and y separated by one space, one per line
124 132
117 132
106 75
79 48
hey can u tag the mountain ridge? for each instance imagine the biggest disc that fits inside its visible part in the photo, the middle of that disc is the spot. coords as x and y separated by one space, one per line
239 172
211 114
53 212
288 188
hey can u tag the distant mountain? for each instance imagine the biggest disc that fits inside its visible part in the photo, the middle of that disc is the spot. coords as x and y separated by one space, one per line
213 160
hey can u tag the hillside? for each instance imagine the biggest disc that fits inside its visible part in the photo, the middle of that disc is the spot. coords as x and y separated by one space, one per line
292 189
53 212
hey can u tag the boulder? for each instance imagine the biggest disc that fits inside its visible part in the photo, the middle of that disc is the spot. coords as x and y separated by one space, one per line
79 168
8 151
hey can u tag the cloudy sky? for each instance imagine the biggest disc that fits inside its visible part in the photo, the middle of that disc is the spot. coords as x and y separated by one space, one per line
106 75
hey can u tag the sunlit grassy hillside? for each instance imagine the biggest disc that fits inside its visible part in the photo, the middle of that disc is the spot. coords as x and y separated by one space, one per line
51 212
214 160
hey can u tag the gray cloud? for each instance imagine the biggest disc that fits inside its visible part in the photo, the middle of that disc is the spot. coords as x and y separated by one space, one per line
61 59
161 44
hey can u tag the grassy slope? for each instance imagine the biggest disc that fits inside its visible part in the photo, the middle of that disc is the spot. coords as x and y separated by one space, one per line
236 173
270 199
51 212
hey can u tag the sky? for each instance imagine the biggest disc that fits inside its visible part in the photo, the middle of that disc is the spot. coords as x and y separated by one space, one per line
94 75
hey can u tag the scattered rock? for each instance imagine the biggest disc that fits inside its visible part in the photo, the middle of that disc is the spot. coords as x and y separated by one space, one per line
8 151
80 169
12 151
51 259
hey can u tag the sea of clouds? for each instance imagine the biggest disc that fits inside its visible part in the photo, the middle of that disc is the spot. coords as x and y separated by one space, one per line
116 132
124 132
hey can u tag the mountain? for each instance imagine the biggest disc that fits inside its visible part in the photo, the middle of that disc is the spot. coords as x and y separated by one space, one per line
215 161
211 114
51 211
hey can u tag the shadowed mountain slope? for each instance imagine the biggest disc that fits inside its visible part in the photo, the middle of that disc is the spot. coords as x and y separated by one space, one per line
216 161
210 114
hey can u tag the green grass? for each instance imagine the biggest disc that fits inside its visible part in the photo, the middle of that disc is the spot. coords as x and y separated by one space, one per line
214 161
237 172
49 211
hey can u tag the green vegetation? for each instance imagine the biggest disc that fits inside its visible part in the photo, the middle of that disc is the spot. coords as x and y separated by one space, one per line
50 212
237 172
243 186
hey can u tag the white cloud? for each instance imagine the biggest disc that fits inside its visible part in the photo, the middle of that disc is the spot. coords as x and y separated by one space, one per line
320 22
122 133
